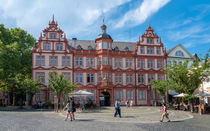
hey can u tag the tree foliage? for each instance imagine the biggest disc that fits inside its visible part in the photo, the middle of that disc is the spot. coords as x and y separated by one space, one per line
60 86
15 56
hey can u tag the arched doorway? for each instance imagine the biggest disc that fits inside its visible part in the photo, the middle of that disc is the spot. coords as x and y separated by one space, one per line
105 98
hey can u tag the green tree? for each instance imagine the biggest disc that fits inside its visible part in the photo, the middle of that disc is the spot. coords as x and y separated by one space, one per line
15 56
187 80
60 86
161 87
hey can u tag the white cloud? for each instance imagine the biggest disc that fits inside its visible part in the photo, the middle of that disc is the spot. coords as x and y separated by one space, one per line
140 14
73 16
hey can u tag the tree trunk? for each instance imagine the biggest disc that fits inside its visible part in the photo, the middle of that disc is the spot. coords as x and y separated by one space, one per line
14 96
56 103
61 103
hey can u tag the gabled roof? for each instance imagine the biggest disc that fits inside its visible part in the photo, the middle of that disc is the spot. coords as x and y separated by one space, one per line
179 45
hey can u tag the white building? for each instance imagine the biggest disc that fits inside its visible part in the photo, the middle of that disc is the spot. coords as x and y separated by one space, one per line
179 54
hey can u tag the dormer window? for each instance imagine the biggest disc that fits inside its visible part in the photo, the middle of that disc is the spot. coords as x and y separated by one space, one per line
104 45
179 53
126 49
90 47
79 47
116 48
151 41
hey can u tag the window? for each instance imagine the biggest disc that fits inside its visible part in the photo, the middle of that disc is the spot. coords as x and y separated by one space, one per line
142 50
142 63
132 94
128 95
38 60
153 76
110 77
161 63
163 77
40 77
90 78
149 78
99 61
127 62
138 63
90 62
116 94
52 35
148 63
99 77
131 63
110 61
179 53
169 63
99 45
104 45
141 78
59 46
116 78
147 41
120 62
151 40
151 50
80 77
66 75
46 46
80 61
148 50
180 63
109 45
143 95
77 78
105 61
77 61
140 94
120 78
120 94
158 50
116 62
53 60
152 63
66 61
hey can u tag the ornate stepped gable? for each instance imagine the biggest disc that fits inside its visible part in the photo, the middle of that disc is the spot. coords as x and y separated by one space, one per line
52 35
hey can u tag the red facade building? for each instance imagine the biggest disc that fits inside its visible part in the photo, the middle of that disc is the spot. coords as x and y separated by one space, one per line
109 69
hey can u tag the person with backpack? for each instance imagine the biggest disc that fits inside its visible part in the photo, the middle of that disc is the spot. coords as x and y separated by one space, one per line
117 108
70 108
164 113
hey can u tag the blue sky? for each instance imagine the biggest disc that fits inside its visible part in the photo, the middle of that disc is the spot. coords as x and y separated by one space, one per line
175 21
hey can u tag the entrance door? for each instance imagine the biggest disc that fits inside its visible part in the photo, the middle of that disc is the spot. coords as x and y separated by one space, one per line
104 98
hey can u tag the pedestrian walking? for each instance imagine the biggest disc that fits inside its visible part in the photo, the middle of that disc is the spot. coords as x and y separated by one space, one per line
164 113
69 107
117 108
127 103
74 108
131 103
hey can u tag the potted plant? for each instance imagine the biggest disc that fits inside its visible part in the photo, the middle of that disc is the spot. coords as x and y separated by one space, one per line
49 104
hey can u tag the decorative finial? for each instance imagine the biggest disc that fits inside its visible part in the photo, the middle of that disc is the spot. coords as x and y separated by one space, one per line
139 37
160 39
53 17
149 23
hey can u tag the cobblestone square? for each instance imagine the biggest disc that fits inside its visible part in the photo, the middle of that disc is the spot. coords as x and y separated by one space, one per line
133 119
